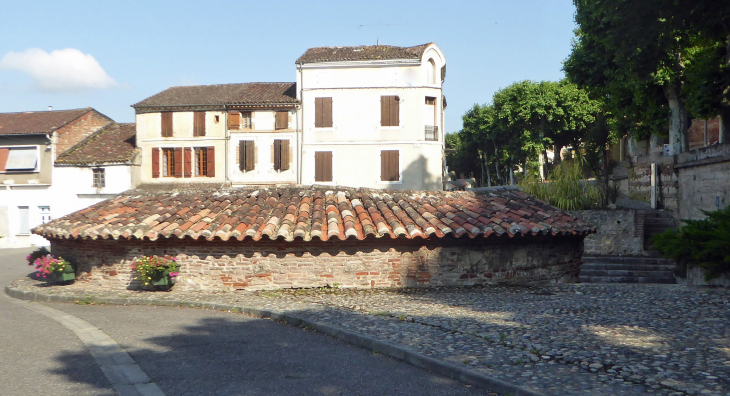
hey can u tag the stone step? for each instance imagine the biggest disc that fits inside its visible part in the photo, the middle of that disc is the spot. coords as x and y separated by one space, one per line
625 273
626 279
626 267
630 260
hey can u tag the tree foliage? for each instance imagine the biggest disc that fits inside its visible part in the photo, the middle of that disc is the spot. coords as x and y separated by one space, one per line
654 62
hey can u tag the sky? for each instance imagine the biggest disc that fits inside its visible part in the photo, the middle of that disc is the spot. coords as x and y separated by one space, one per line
110 55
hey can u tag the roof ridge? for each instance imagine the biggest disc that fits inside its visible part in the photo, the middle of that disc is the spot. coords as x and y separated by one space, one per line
47 111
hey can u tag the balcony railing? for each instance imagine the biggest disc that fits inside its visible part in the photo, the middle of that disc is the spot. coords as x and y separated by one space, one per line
432 133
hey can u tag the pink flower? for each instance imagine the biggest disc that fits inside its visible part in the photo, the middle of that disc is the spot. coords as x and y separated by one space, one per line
173 274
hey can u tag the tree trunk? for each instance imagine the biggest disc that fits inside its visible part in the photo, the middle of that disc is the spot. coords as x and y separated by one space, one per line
496 163
489 176
678 134
481 165
511 172
725 107
557 158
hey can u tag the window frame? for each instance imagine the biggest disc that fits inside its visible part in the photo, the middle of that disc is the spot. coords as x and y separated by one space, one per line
37 168
98 177
23 231
323 118
285 115
199 128
163 128
167 162
242 157
278 164
200 160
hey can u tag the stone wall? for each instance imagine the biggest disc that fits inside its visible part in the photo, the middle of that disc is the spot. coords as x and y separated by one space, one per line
640 184
704 180
370 263
616 232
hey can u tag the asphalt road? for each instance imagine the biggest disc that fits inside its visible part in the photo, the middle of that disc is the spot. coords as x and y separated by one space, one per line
192 352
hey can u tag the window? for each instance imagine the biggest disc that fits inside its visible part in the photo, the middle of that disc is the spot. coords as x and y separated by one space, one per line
234 120
166 127
246 120
389 111
99 181
246 156
323 112
201 161
430 101
282 120
23 220
199 123
281 155
18 159
389 166
430 72
217 118
323 166
168 162
45 213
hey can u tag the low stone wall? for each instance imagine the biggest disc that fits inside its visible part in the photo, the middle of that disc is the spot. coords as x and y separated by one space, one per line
704 180
372 263
696 277
616 232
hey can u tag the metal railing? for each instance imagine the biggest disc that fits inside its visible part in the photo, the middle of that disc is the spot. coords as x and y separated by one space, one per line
432 133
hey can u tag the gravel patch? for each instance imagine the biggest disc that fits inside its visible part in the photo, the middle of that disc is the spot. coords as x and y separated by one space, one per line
583 339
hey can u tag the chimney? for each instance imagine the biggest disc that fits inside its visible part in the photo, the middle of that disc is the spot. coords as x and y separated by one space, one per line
50 108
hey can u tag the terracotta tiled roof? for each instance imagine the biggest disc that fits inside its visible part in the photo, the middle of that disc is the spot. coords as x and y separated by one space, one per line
223 94
362 52
115 143
307 213
38 121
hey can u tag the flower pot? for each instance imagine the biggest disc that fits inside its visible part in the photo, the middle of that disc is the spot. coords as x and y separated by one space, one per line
68 274
163 283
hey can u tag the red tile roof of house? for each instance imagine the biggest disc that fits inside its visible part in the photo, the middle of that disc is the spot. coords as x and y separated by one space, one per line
362 52
115 143
306 213
224 94
36 122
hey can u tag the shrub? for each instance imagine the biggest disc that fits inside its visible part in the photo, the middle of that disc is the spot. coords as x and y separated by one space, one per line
699 243
36 254
565 188
149 268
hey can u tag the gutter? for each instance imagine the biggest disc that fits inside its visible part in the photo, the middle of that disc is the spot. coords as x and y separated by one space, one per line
301 101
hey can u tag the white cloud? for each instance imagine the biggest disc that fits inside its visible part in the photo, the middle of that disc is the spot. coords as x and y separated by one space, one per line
65 69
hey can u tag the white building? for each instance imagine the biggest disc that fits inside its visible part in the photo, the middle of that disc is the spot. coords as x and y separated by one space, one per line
30 142
368 116
373 116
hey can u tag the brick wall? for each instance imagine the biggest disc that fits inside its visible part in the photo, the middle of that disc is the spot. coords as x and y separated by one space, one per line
697 132
223 266
79 129
615 235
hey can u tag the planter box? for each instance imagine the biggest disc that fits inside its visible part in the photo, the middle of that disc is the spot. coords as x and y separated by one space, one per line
68 274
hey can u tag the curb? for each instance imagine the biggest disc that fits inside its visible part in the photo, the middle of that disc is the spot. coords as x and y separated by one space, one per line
435 366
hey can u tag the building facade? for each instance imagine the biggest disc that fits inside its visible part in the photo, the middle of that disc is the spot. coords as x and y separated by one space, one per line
368 116
30 143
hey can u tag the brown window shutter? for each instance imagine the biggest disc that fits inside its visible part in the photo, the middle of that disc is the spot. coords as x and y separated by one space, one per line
277 154
389 165
394 111
242 155
384 111
4 152
250 156
282 120
188 162
323 166
234 119
327 112
155 162
178 162
166 125
199 123
285 157
211 162
318 112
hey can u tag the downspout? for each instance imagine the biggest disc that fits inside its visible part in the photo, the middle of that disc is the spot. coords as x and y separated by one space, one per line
227 136
301 102
299 170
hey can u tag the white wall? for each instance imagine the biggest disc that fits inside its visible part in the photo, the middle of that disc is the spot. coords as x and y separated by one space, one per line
75 191
356 136
11 198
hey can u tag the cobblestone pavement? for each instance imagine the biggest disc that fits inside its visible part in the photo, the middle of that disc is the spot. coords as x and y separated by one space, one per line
583 339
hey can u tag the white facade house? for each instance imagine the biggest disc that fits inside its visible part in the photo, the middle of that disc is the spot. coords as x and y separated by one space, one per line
373 116
30 191
368 116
